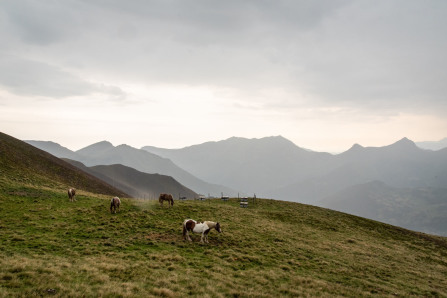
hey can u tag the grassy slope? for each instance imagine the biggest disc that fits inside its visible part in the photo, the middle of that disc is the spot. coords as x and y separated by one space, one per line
24 164
49 245
272 248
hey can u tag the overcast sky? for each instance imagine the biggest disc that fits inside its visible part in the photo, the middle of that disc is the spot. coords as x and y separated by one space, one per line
324 74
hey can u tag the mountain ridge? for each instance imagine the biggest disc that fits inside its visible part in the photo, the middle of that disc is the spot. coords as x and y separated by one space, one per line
25 162
244 164
275 167
137 184
433 145
404 207
104 153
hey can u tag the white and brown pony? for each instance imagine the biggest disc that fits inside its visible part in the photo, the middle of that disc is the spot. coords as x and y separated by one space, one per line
115 205
190 225
71 194
166 197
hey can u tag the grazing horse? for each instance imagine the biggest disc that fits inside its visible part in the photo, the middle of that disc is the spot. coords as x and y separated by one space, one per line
166 197
71 194
190 225
115 204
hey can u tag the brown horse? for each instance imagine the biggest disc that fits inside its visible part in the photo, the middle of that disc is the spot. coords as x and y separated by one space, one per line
166 197
115 205
71 194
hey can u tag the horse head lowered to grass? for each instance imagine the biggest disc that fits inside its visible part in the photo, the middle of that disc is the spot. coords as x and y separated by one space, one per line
115 205
166 197
190 225
71 194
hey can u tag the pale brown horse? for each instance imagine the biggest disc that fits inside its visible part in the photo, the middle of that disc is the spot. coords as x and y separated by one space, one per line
166 197
71 194
115 205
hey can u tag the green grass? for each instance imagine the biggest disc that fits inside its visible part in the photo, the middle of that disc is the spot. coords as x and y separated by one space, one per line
50 246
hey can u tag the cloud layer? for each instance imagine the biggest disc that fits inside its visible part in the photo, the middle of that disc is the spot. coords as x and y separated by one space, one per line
287 57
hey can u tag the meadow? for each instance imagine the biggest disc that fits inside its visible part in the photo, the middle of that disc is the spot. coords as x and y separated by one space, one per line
50 246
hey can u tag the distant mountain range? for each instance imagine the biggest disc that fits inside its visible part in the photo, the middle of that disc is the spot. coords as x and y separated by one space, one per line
421 208
433 145
276 168
104 153
401 164
136 183
249 165
27 164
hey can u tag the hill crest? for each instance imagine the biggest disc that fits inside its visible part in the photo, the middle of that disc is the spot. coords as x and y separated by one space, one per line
28 164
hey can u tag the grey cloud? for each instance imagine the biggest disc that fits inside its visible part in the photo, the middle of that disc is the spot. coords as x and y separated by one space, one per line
371 55
32 78
193 42
42 23
390 57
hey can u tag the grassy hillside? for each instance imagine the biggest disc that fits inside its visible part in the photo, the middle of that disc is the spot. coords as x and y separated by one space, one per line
49 245
23 164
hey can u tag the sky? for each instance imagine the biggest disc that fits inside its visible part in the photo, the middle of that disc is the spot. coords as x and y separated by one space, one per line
324 74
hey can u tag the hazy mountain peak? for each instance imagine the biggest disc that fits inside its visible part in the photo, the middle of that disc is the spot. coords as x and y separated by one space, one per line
53 148
125 146
404 143
100 146
272 140
46 144
405 140
356 147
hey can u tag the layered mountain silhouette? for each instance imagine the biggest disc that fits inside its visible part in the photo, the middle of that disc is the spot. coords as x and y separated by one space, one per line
404 171
276 168
136 183
433 145
104 153
401 164
26 163
421 208
249 165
